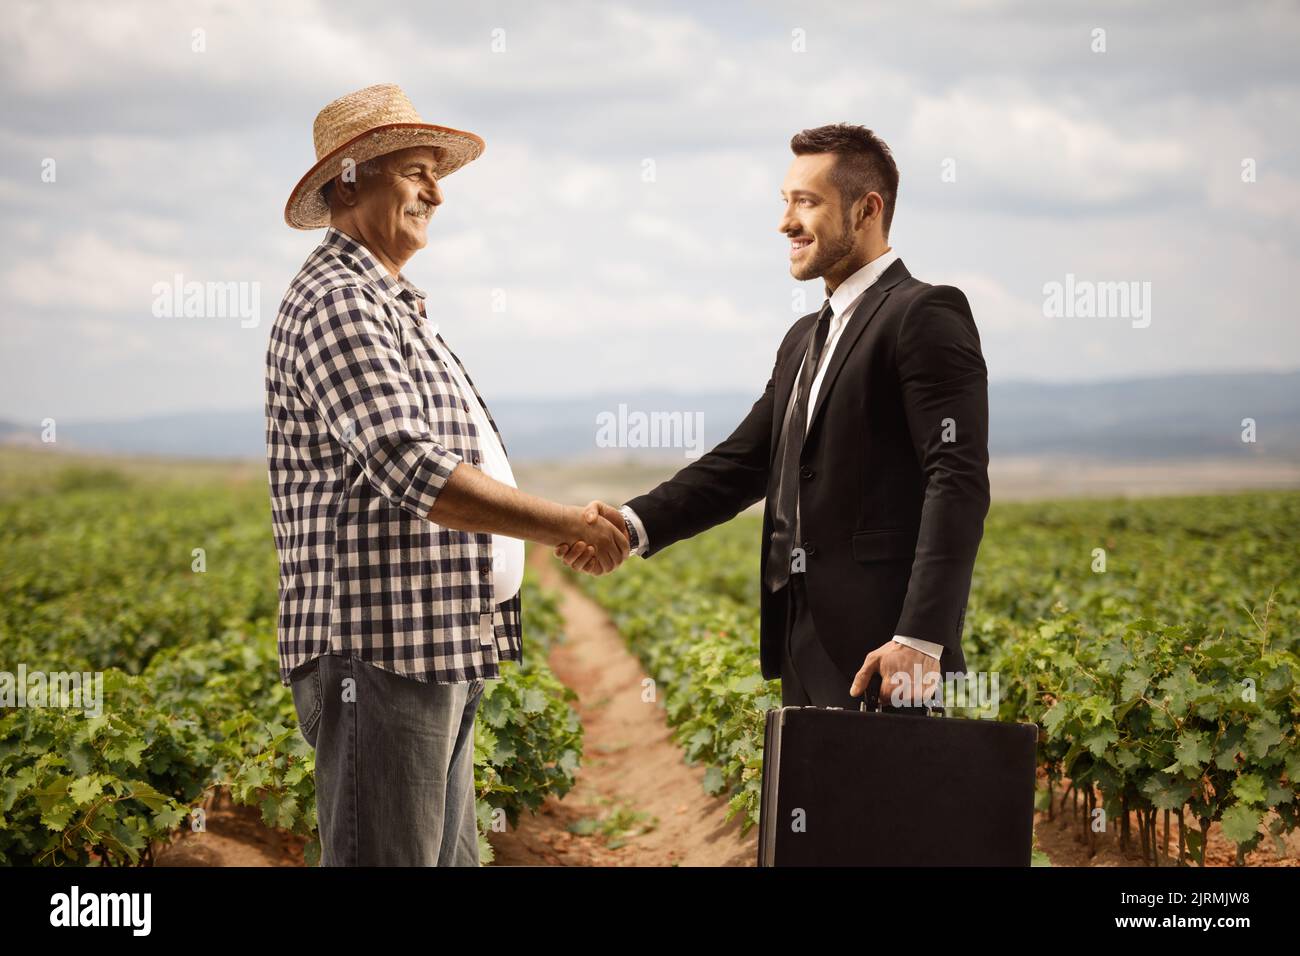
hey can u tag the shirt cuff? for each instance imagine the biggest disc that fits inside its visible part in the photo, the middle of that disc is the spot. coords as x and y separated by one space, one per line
642 541
925 647
428 476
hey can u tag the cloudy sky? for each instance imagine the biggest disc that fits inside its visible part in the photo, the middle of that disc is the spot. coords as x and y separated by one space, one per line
1122 165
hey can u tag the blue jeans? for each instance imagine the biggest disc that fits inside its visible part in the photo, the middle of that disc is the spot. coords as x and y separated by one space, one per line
394 764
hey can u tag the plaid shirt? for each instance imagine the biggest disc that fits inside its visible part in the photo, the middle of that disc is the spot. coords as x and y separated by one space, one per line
364 425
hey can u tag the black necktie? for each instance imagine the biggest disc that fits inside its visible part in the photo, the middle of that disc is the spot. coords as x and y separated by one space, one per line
789 447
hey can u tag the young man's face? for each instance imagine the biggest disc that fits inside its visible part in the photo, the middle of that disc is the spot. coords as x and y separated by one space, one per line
394 207
814 217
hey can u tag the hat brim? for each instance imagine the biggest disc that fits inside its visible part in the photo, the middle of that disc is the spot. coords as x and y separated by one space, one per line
307 209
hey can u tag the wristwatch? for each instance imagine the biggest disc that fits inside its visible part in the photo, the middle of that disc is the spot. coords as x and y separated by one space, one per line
632 541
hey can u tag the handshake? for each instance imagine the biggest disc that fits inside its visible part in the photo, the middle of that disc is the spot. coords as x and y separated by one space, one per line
599 539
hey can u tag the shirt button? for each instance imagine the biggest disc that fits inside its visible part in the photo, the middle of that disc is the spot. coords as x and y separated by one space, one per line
464 404
475 459
485 570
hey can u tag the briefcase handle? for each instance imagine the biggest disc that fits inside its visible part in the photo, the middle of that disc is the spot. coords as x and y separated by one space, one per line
871 701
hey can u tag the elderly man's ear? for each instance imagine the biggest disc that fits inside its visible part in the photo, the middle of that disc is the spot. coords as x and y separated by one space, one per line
341 192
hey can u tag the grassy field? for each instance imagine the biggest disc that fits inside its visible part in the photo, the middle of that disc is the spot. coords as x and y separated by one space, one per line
1154 641
157 582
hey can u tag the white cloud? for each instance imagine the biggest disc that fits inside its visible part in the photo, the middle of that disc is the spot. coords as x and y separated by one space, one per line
69 47
1013 144
995 308
88 271
1114 168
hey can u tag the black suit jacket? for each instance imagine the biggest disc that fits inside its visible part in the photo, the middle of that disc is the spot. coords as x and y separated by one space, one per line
893 485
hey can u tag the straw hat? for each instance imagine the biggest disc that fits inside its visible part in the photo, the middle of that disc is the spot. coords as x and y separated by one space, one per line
363 125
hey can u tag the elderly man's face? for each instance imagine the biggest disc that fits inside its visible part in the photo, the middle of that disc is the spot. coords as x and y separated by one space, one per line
393 208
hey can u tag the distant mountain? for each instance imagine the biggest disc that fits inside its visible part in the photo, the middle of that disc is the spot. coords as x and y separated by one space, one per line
1174 417
1180 416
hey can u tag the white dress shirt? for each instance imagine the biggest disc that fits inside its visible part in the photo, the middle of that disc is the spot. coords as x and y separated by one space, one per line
507 553
844 301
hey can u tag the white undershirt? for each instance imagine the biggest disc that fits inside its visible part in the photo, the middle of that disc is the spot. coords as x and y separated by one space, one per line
507 553
844 302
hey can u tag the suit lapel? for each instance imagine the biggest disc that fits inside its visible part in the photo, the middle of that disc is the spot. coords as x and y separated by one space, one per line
871 302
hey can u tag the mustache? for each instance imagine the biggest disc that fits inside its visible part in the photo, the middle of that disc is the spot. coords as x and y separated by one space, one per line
419 208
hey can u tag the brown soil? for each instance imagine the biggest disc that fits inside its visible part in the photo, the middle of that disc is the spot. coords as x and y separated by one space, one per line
630 765
235 836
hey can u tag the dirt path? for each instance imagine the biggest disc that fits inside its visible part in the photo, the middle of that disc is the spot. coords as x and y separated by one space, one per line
633 776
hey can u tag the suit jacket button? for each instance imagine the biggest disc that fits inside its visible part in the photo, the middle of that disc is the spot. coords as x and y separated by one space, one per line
806 472
808 548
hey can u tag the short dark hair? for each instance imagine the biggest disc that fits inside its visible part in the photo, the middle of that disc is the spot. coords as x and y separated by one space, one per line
864 163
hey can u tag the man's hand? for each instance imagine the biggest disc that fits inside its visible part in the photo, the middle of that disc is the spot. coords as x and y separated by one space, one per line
903 675
581 555
599 540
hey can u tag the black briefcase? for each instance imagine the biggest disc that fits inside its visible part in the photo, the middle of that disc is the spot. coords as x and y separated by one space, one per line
880 788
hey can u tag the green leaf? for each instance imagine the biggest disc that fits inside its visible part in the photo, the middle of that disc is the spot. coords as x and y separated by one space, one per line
569 762
1055 717
57 815
286 812
1240 824
1263 734
85 789
1192 751
1167 792
747 684
51 793
1134 685
1230 744
1100 740
1249 788
169 818
714 782
146 794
